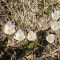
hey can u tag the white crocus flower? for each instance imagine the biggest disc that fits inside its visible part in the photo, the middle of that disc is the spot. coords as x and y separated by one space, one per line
31 36
19 35
9 28
55 15
50 38
55 25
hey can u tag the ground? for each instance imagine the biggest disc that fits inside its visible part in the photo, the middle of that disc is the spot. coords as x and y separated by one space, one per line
29 15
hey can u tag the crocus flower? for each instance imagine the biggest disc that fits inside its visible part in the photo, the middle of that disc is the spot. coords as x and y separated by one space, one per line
50 38
19 35
55 25
9 28
31 36
55 15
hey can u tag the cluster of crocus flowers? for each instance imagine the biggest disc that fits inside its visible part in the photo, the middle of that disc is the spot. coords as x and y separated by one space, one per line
31 36
19 35
55 25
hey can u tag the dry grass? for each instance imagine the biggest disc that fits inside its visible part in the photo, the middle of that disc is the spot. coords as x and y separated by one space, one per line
29 15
